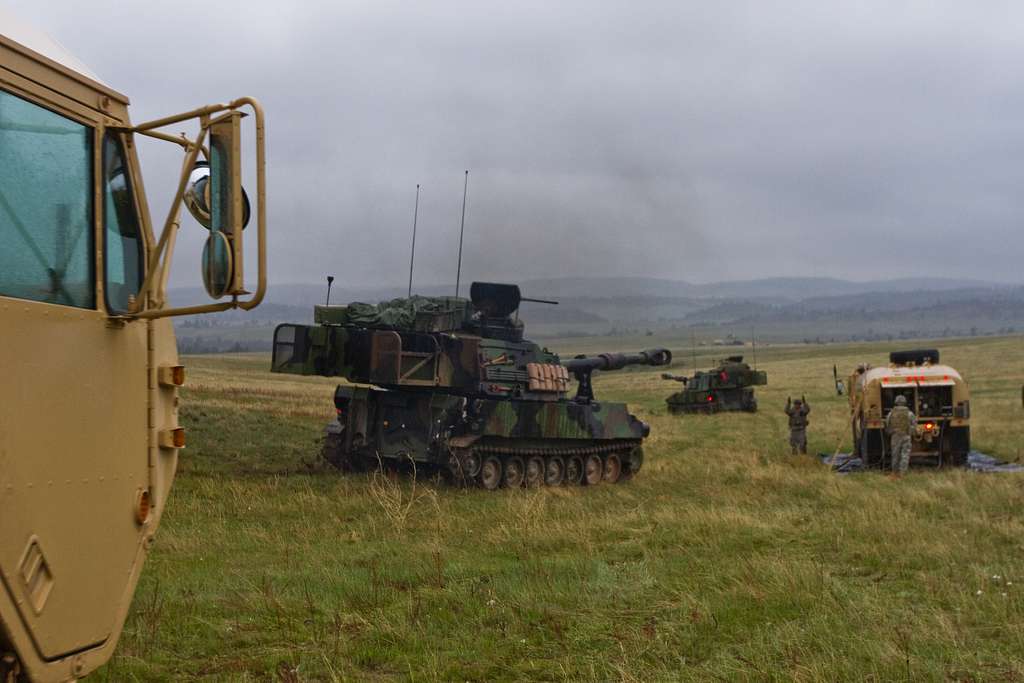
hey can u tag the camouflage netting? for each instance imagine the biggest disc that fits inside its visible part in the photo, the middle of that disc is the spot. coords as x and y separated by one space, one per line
400 313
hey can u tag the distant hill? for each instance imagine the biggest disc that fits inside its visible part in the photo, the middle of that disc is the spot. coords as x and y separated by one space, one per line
781 287
778 308
863 305
792 288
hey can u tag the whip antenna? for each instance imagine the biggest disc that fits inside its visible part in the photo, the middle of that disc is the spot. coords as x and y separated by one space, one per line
412 256
753 343
462 230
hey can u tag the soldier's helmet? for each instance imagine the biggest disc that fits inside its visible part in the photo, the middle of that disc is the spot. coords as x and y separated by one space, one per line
798 402
901 400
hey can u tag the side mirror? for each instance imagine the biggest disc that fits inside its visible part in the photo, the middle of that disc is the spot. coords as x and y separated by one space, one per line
197 196
212 191
218 252
218 264
214 196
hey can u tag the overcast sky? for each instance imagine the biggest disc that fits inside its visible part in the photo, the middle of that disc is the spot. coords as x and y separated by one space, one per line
687 140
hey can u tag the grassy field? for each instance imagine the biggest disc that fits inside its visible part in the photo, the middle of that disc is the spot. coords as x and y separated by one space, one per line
724 559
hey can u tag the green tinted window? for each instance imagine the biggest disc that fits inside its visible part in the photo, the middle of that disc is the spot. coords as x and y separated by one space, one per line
219 173
123 252
46 238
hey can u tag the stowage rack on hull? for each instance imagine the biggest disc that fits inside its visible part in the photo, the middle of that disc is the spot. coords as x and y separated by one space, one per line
454 387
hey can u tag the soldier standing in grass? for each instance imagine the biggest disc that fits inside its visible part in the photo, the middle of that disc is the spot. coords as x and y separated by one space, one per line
797 412
899 425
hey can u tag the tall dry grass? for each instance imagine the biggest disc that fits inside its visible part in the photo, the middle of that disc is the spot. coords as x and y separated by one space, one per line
725 558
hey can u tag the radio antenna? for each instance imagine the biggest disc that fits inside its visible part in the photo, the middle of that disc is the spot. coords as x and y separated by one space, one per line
693 349
412 256
330 281
462 231
753 343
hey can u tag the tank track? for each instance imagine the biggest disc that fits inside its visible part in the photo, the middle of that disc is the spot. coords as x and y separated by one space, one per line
507 465
496 465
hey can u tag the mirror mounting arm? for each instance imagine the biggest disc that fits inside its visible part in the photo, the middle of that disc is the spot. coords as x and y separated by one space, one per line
261 204
155 264
160 258
181 140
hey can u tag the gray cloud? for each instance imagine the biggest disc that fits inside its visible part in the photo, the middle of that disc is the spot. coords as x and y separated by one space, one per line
683 140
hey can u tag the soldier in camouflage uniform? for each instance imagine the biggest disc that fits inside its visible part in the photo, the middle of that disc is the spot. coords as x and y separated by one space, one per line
899 425
797 412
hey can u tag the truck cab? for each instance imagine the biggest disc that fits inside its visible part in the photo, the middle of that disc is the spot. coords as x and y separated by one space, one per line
89 432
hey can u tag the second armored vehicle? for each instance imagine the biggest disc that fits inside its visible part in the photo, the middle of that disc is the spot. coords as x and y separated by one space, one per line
730 386
455 388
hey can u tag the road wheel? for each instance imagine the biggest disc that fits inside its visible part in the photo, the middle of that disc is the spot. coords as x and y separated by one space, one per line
471 464
612 468
636 461
515 471
574 471
554 471
490 473
593 469
535 471
333 451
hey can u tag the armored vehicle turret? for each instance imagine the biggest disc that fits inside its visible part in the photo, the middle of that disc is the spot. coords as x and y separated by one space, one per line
730 386
450 384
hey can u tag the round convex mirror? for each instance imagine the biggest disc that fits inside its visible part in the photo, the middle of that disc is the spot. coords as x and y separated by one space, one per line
217 265
197 193
197 196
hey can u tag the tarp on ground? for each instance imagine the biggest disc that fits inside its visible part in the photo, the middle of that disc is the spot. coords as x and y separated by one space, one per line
844 463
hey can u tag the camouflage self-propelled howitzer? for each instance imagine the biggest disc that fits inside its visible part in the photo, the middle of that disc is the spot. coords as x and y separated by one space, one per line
730 386
454 387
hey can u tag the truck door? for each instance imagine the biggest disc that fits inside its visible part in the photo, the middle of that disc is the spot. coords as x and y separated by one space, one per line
74 436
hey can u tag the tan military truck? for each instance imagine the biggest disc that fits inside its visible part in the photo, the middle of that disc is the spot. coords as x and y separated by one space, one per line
937 395
89 433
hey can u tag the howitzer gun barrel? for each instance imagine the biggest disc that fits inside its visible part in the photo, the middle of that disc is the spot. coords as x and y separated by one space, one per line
617 361
582 367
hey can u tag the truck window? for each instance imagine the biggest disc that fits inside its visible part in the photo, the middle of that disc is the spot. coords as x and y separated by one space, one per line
46 212
123 249
889 398
934 401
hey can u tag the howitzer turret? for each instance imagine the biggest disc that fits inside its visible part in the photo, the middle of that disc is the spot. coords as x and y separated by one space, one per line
730 386
456 387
